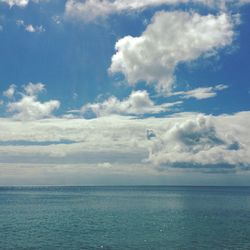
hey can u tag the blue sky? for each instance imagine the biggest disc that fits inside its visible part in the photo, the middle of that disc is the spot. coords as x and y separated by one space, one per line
84 83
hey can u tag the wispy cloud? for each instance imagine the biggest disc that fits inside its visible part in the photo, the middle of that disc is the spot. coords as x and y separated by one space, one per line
90 10
10 92
29 27
201 93
138 103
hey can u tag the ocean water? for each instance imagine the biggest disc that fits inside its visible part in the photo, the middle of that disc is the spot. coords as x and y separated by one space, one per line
125 218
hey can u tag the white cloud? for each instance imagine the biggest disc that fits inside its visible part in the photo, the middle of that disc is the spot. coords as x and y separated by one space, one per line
201 93
186 142
89 10
29 27
171 38
138 103
19 3
20 22
34 88
10 92
244 1
57 19
28 107
203 142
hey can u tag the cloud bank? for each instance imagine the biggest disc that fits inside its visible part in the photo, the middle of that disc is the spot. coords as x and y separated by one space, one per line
188 142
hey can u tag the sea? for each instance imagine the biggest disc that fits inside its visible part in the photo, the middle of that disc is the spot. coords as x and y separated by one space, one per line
127 217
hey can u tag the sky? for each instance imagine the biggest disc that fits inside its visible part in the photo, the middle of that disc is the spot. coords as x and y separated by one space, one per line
122 92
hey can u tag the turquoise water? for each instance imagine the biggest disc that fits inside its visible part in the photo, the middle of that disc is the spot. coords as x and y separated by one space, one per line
125 218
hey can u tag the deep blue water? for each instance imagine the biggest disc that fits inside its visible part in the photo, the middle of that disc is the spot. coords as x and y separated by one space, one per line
125 218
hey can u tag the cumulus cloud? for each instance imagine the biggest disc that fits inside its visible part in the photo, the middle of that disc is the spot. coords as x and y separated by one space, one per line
138 103
171 38
29 107
200 143
201 93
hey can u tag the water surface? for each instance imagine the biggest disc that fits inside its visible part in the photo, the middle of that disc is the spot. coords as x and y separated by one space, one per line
125 218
